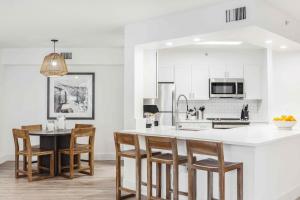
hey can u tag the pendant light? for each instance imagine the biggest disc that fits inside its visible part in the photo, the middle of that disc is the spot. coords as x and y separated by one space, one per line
54 64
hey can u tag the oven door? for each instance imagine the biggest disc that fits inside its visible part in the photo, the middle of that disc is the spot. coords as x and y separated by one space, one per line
222 89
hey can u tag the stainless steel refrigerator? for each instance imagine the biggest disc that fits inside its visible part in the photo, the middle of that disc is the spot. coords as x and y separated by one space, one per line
166 103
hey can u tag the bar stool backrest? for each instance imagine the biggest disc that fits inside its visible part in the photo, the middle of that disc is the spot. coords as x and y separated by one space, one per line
161 143
23 135
126 139
206 148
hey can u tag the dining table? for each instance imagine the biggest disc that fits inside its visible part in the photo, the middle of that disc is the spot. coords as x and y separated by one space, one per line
54 140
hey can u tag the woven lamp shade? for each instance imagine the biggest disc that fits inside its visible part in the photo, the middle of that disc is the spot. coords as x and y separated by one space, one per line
54 65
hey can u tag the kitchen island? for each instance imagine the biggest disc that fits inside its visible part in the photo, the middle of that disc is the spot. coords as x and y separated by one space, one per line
271 160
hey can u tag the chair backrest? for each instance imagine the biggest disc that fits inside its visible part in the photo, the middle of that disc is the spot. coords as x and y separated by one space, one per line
36 127
23 135
84 125
83 133
161 143
207 148
130 139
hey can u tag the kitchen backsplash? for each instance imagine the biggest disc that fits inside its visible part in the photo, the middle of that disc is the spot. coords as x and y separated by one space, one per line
227 108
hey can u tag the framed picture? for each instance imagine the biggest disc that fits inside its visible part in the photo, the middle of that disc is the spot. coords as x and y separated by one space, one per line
72 95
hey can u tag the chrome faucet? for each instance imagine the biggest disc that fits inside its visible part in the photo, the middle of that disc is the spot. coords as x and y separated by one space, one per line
177 110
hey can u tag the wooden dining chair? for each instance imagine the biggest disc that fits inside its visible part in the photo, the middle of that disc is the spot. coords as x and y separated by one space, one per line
77 149
35 127
28 152
84 125
218 165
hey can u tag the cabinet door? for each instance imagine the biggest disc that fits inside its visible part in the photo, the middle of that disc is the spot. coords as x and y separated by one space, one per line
166 74
200 82
150 74
253 78
234 71
183 81
217 71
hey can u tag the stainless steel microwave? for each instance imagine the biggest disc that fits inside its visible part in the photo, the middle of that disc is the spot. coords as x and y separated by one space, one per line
226 88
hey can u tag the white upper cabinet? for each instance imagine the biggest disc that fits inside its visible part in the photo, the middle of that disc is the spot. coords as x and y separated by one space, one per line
200 82
217 71
150 73
183 81
226 71
234 71
166 74
253 80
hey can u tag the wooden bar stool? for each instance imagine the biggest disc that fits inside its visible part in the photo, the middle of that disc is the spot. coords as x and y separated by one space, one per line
211 165
77 149
135 153
28 152
169 159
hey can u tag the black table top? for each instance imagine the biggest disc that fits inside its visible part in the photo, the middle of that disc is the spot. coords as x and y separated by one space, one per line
51 133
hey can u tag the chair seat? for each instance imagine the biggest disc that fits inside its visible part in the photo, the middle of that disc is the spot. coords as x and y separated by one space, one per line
168 158
132 153
213 165
37 152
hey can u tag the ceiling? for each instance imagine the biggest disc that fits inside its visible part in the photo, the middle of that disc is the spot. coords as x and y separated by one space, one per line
79 23
92 23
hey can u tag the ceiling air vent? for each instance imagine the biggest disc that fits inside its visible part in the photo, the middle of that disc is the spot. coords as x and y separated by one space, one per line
236 14
67 55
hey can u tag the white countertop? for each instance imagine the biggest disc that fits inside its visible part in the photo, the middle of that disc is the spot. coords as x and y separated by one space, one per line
210 121
253 135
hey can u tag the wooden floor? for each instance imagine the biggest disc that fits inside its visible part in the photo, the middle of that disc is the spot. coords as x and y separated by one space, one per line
100 186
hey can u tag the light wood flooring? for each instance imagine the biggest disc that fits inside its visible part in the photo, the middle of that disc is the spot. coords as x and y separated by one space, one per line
100 186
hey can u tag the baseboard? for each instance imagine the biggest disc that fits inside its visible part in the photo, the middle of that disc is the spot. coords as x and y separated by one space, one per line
11 157
292 194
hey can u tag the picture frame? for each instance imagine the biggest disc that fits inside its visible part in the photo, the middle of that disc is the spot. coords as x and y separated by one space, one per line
72 95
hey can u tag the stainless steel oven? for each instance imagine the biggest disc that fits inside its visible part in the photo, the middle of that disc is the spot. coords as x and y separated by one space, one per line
226 88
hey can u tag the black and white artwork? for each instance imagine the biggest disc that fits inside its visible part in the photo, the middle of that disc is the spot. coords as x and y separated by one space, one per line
71 95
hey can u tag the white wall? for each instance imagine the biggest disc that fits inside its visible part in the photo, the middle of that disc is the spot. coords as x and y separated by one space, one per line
2 133
286 84
25 99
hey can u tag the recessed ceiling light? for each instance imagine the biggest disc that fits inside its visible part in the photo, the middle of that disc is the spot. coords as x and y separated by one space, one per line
268 41
283 47
220 43
169 44
197 39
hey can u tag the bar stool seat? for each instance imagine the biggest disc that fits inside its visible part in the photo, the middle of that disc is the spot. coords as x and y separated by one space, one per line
132 153
168 158
213 165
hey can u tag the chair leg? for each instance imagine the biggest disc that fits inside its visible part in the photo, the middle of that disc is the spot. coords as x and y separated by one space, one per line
79 161
191 184
138 178
71 165
51 165
91 163
59 163
25 163
17 166
168 182
222 185
158 180
240 183
118 178
210 185
149 179
29 168
175 182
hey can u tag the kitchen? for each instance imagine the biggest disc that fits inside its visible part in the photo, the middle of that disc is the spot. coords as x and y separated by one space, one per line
192 61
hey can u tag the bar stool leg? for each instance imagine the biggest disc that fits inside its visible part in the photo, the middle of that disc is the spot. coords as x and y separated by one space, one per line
168 182
192 184
222 185
29 168
17 165
118 177
210 185
158 180
240 183
149 179
138 175
175 182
